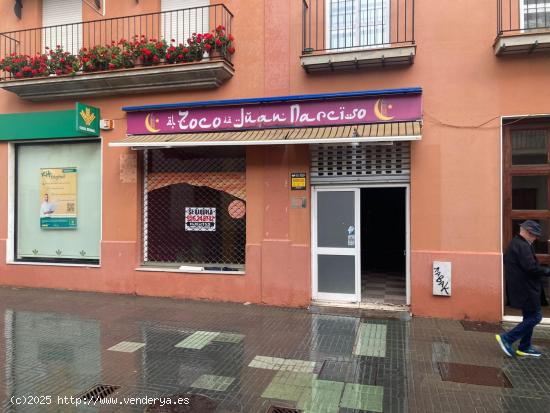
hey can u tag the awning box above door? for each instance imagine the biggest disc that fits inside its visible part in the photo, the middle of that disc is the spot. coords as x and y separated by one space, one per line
373 132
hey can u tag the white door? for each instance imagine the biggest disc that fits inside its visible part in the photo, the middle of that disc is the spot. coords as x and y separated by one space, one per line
336 244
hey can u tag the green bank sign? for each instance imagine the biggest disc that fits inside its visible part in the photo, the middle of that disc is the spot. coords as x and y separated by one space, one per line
83 121
87 119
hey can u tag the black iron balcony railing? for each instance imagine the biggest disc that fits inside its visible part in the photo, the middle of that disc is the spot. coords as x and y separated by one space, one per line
106 40
522 16
340 25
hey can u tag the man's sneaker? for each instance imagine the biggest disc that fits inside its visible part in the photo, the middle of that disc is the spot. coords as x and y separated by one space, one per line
530 352
504 345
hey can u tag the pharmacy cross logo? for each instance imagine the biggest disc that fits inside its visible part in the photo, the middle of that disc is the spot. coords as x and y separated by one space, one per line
87 116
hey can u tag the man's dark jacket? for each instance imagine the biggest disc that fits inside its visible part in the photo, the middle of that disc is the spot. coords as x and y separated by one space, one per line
523 275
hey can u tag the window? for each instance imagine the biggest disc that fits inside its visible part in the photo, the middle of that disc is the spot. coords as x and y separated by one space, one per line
535 14
58 202
357 23
195 207
526 181
66 18
182 18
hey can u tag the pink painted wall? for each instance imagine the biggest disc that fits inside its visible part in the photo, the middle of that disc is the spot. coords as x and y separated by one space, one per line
455 188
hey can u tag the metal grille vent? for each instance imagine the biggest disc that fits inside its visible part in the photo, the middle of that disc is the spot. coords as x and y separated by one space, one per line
362 162
280 409
97 392
195 207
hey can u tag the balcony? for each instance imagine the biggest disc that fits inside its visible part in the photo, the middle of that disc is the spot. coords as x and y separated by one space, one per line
523 27
340 35
108 57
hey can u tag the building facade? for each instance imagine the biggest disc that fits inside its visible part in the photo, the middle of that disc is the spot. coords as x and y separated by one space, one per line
354 151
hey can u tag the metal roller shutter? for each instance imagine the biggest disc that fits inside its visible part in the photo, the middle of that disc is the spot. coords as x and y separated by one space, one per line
350 163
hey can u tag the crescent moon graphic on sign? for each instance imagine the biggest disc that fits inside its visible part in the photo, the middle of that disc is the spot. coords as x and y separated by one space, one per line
379 113
148 125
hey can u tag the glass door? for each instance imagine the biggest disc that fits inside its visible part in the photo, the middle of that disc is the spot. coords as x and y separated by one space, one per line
336 244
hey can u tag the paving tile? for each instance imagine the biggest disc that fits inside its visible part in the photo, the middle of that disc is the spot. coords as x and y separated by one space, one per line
229 338
371 340
198 340
289 386
362 397
126 346
276 363
213 382
323 397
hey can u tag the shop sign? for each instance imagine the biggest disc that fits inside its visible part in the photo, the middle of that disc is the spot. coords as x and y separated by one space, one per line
200 219
81 121
278 115
87 119
58 198
297 181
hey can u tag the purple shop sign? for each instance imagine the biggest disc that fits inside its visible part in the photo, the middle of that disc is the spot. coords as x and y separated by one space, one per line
278 115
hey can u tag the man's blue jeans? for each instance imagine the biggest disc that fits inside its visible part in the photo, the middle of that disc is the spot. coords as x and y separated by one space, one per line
524 330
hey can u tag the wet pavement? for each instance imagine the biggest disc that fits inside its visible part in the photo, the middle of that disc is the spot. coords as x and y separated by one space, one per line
228 357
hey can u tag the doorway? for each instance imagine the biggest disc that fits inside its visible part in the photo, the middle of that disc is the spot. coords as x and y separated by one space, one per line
383 246
360 244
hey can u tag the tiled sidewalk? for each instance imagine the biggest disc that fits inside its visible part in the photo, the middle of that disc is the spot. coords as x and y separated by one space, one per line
248 358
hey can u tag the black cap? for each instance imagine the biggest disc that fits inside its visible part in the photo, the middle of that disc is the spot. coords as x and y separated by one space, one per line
532 226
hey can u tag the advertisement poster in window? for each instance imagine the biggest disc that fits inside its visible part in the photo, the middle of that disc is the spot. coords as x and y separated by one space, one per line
58 198
200 219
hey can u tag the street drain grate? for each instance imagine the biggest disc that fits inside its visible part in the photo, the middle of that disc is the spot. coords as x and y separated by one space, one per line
97 392
470 374
192 403
481 327
281 409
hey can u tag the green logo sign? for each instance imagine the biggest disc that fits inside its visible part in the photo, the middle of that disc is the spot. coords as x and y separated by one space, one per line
87 119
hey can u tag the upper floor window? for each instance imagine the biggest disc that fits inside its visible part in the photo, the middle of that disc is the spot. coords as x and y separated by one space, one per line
62 20
181 18
357 23
534 14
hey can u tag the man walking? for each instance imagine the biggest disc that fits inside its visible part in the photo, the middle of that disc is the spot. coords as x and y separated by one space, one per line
524 287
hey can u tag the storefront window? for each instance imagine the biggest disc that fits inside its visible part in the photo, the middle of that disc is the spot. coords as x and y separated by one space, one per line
195 207
58 202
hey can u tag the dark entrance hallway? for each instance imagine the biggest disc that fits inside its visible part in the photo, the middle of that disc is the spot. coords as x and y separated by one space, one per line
383 245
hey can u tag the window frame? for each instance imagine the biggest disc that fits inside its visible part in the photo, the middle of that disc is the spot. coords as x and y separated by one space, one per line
356 26
510 170
523 11
14 259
